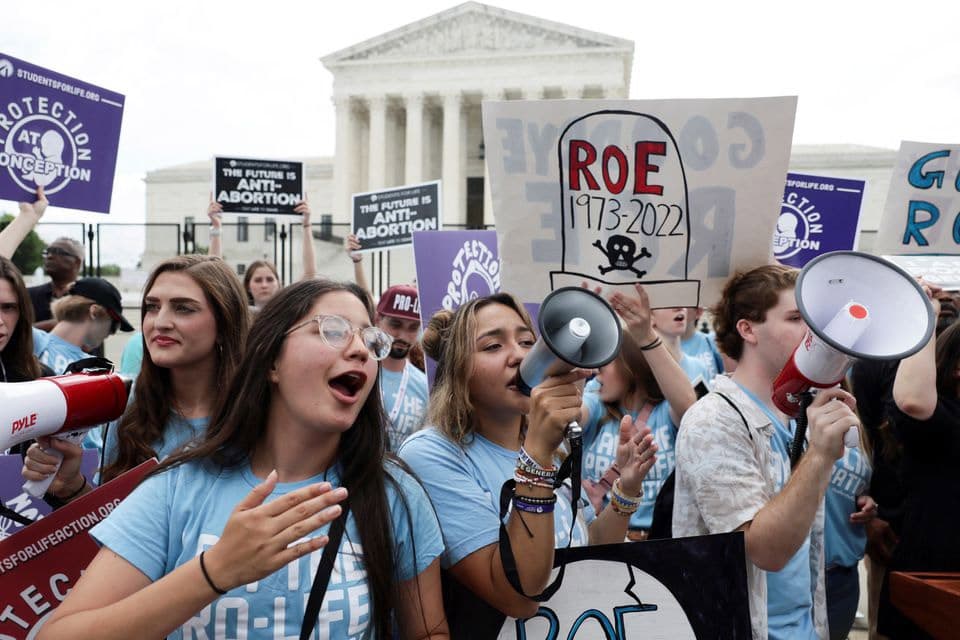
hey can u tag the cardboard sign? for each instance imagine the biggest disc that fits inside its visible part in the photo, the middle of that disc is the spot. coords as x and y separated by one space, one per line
40 564
922 213
13 495
682 589
817 215
59 133
943 271
675 195
453 267
244 185
385 219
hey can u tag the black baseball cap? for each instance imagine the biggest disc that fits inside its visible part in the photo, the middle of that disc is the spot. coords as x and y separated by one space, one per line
105 295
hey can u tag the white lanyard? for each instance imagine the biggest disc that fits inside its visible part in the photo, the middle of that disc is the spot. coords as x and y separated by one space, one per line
401 390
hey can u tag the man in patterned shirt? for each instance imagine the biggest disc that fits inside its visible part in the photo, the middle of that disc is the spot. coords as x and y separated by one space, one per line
733 470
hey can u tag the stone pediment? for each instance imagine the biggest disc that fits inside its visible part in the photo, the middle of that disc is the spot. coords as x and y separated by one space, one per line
471 29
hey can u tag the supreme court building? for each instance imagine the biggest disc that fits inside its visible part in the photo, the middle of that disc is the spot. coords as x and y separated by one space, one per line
408 111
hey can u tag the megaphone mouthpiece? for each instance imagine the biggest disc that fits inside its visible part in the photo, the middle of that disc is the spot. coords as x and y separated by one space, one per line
578 328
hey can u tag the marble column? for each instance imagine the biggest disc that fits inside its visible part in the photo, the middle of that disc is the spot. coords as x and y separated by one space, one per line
414 139
377 174
344 172
498 94
453 187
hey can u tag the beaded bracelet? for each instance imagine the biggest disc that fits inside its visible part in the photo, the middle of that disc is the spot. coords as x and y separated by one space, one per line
621 502
532 482
551 499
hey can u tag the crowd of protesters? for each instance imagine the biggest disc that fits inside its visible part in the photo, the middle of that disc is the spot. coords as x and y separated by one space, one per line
290 420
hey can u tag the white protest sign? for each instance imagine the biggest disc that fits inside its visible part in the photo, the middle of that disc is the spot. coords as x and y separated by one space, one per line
922 213
943 271
673 194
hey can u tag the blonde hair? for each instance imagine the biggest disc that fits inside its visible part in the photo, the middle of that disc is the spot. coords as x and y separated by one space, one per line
450 339
75 308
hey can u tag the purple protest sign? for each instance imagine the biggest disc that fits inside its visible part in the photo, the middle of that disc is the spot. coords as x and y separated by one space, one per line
452 268
817 215
13 495
59 133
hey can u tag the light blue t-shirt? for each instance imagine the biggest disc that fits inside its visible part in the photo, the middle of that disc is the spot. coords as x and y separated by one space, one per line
845 541
464 484
703 347
132 356
601 436
170 518
406 417
176 432
696 371
55 352
790 590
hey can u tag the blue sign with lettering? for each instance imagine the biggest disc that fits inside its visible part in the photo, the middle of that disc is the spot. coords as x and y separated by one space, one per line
817 215
59 133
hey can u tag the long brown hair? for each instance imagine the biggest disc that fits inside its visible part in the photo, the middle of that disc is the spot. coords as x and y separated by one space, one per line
239 425
634 369
450 339
18 359
143 423
248 275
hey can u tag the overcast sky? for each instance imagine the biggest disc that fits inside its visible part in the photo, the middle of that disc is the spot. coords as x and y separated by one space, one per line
203 77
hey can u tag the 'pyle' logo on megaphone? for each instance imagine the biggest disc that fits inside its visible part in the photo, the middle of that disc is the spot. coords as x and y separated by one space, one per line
24 422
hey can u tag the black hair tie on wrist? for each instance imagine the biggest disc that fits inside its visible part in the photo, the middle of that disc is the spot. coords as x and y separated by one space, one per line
203 567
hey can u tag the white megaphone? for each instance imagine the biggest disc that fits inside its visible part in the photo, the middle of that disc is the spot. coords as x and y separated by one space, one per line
856 305
60 406
578 328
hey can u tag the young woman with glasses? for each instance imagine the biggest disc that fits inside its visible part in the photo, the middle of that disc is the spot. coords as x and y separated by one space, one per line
225 538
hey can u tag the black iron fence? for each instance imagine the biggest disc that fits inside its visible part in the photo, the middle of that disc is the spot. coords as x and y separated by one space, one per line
112 248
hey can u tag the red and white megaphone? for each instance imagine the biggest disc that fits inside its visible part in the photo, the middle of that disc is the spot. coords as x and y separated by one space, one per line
60 405
856 305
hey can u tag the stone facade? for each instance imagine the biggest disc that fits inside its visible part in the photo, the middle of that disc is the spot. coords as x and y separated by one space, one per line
408 111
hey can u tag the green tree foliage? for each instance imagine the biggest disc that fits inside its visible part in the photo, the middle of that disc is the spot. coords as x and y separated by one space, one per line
27 256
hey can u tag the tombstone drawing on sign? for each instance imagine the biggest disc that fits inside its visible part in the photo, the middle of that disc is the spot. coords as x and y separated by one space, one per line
625 207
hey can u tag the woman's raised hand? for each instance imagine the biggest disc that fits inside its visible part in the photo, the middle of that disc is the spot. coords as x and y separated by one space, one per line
259 537
636 454
635 311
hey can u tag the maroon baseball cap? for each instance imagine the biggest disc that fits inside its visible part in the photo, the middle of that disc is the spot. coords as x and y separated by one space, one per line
400 301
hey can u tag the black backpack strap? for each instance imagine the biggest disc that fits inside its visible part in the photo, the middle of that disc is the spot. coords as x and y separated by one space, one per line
737 409
322 578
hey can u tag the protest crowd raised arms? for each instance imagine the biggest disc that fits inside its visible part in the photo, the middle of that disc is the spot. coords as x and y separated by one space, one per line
550 362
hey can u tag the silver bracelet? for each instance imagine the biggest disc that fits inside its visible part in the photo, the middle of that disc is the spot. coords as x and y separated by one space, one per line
215 231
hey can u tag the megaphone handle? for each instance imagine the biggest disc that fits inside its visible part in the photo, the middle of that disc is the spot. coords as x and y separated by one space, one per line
37 488
851 438
800 434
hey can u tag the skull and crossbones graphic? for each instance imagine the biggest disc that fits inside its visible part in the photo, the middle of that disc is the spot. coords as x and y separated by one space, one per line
621 252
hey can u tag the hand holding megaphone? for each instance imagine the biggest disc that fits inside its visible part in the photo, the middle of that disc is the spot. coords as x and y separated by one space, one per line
52 464
855 305
578 329
832 419
555 403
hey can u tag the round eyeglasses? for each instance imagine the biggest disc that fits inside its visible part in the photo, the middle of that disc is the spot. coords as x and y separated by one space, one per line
337 332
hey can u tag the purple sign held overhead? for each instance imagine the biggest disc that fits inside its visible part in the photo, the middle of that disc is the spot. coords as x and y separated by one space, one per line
453 267
817 215
59 133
